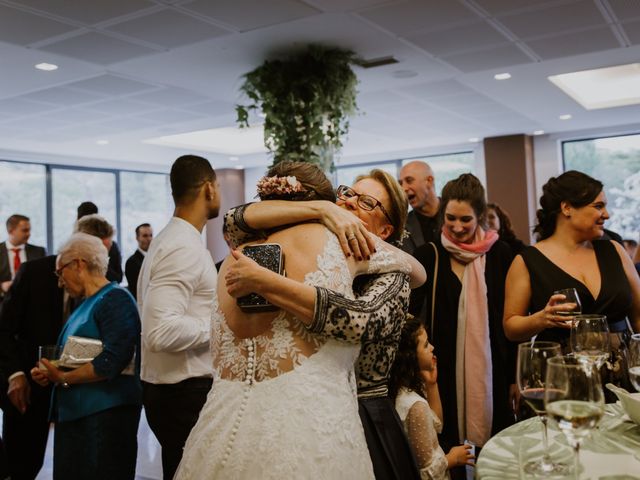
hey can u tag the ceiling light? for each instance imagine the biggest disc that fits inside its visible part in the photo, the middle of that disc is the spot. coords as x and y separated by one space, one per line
234 159
502 76
566 116
474 139
226 141
239 167
538 132
47 67
602 87
103 142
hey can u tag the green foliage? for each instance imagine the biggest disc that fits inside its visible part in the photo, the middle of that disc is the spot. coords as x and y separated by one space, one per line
307 99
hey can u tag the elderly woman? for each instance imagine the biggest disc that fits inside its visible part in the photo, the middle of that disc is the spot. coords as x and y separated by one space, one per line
463 300
95 406
571 254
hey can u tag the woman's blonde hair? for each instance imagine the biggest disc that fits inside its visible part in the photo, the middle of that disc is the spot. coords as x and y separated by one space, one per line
399 203
88 248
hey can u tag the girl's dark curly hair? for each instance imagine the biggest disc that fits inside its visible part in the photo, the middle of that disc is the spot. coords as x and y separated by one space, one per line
576 188
405 371
506 229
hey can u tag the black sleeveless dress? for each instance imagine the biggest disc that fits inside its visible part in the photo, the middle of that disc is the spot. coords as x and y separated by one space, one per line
614 301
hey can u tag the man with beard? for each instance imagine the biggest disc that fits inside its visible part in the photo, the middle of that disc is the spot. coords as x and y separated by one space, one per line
176 287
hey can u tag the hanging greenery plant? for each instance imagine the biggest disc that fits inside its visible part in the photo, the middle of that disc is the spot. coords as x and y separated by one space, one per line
306 99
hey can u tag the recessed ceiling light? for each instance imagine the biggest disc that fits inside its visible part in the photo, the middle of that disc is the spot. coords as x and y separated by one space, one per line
474 139
602 87
538 132
502 76
103 142
234 159
47 67
226 141
239 167
566 116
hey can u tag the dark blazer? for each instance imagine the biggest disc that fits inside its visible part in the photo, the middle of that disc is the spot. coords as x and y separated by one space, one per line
114 270
32 252
31 315
416 238
132 270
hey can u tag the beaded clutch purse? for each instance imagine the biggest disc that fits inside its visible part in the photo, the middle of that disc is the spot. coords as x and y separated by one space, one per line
268 255
80 350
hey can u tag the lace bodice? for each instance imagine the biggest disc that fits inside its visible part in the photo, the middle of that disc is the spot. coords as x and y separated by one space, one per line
286 344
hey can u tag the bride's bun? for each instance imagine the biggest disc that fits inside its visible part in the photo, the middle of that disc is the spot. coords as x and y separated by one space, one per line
314 183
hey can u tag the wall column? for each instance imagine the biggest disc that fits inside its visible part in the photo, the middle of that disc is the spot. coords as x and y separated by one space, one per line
231 183
511 180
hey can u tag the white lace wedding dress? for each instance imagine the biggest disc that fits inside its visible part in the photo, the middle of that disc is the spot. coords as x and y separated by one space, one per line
283 404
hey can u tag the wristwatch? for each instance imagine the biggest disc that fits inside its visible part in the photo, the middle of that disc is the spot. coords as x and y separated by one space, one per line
64 383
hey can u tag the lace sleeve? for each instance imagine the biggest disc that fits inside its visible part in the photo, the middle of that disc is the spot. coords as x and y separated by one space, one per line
424 441
374 313
237 229
386 260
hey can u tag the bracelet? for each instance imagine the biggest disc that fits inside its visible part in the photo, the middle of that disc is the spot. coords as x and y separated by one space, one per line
64 383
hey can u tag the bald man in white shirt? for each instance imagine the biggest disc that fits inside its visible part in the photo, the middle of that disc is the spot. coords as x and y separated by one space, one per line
176 287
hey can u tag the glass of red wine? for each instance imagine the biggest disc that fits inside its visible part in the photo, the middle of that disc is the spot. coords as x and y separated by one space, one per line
531 373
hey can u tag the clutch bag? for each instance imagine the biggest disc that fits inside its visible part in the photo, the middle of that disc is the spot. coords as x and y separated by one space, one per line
80 350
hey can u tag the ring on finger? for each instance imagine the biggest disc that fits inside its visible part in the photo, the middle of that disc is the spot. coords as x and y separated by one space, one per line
351 237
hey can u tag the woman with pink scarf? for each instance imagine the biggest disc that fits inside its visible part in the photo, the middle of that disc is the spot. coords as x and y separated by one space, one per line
469 265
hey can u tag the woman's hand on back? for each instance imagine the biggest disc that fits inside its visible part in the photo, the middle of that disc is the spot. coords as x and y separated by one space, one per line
244 276
351 231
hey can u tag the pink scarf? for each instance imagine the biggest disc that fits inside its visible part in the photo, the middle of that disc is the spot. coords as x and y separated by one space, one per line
474 376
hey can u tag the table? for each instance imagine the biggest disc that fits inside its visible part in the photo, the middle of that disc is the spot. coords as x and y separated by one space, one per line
612 452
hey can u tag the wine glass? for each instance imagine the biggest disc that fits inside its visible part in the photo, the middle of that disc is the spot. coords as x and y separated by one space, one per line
570 297
574 399
590 338
531 370
634 360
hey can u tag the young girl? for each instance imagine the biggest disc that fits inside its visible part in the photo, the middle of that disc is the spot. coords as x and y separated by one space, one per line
413 380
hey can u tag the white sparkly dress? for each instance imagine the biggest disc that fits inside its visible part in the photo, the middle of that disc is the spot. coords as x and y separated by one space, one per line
283 404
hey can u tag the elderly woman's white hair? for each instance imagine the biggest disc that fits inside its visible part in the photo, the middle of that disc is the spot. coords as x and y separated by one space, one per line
88 248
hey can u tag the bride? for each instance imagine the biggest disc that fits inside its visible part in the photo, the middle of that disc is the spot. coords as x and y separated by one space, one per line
284 402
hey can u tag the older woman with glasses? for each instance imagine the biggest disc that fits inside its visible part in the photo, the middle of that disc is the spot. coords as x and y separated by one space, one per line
96 406
374 319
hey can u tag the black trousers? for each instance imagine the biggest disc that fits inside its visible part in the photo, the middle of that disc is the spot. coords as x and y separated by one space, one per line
172 411
25 435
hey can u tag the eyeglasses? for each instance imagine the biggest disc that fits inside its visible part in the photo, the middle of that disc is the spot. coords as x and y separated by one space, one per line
58 272
365 202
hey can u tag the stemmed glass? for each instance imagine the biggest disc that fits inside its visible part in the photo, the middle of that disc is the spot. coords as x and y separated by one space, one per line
531 370
634 360
574 399
570 297
590 338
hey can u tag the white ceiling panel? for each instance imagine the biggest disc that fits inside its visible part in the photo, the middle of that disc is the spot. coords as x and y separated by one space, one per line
62 96
502 6
379 98
37 123
24 28
625 9
632 30
418 15
75 115
488 59
443 88
121 106
88 11
168 28
344 5
569 44
20 106
125 124
171 97
245 15
109 84
456 39
97 48
169 116
213 108
554 20
52 137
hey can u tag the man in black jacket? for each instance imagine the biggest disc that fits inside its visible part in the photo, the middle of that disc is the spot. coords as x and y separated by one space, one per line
144 235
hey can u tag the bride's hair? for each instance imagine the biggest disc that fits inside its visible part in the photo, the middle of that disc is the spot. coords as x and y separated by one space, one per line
315 184
405 371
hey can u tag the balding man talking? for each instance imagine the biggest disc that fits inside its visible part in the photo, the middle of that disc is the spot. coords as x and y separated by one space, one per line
418 183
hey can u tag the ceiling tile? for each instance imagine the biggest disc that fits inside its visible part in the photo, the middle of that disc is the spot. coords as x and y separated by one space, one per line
443 42
488 59
121 106
62 96
88 11
378 98
109 84
20 106
345 5
171 97
213 108
554 20
574 43
168 28
247 15
97 48
427 91
126 124
169 116
459 101
38 123
502 6
632 30
25 28
75 115
54 137
415 15
625 9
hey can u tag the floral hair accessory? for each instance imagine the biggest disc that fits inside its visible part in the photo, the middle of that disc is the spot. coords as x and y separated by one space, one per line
279 186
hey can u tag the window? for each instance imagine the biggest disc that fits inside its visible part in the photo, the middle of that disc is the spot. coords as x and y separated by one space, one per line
144 198
448 167
615 161
23 190
71 187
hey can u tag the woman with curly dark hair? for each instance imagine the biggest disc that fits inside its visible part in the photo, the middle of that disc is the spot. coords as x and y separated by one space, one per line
498 220
414 388
571 254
